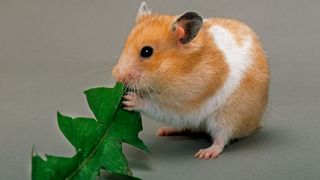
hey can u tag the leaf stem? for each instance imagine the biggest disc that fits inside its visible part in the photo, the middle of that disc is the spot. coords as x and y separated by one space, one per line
88 158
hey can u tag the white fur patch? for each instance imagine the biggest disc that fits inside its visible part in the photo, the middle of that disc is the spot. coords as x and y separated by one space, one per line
238 59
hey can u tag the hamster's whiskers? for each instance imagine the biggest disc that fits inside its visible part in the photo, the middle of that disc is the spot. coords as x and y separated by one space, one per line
156 93
148 92
137 88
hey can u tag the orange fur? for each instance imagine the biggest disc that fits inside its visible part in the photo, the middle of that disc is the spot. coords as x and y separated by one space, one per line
184 76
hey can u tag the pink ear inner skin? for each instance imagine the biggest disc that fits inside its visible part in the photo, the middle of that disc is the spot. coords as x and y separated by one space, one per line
180 32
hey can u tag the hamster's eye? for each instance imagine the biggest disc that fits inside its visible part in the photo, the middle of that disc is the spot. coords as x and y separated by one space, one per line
146 52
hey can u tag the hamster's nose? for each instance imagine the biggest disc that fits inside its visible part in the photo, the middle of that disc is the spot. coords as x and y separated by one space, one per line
125 76
120 79
117 75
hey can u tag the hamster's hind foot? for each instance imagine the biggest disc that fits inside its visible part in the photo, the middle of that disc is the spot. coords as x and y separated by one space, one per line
209 153
169 131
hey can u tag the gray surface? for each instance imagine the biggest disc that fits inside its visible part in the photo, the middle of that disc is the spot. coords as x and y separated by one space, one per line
52 50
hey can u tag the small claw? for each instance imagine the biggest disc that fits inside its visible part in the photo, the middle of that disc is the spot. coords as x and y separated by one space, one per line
198 153
129 97
202 156
209 153
128 103
207 156
131 101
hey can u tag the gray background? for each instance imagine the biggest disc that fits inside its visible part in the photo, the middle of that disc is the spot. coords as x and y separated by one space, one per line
52 50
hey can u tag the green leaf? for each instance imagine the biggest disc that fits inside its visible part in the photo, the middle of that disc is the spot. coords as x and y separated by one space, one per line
53 167
80 128
117 176
104 102
129 136
98 142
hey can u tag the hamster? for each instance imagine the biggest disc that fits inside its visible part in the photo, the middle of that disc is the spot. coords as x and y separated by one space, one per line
208 75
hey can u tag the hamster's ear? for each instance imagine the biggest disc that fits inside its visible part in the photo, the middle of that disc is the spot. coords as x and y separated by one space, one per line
143 11
187 27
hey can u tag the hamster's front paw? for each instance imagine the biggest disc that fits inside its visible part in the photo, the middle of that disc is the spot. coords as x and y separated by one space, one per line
132 102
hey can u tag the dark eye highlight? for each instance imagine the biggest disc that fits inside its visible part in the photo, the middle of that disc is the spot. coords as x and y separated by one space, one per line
146 52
